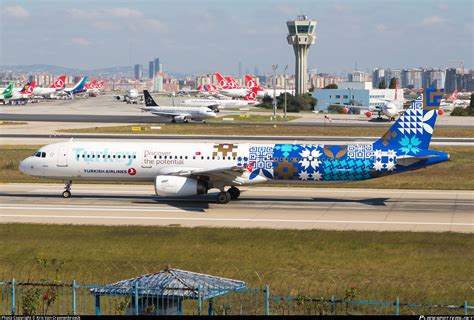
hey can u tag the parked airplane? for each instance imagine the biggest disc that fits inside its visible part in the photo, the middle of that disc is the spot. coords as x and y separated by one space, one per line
264 92
249 100
78 88
189 169
390 108
226 88
52 89
453 100
10 95
132 96
177 114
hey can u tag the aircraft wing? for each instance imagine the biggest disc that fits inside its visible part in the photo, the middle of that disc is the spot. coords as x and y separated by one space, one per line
223 174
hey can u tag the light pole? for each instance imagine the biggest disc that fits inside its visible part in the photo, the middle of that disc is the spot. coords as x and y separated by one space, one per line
274 67
284 79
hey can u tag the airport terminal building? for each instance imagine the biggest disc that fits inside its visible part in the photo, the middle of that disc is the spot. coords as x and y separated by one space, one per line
354 93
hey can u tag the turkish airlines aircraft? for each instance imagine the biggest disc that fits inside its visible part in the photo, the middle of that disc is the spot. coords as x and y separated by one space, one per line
177 114
56 86
190 169
264 92
228 90
249 100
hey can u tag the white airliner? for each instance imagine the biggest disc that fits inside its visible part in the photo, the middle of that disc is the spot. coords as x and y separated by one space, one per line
189 169
261 93
249 100
225 88
177 114
54 88
131 96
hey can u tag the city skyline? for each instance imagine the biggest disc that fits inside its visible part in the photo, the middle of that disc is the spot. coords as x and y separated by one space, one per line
207 36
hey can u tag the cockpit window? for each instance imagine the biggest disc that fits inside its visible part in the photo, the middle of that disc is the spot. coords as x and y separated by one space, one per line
39 154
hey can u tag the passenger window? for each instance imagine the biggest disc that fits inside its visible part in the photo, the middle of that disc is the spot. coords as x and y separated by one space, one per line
154 157
194 157
85 156
134 156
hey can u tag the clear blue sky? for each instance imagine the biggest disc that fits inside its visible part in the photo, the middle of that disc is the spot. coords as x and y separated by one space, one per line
208 36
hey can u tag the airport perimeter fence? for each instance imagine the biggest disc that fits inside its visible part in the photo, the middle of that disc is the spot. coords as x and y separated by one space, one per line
57 298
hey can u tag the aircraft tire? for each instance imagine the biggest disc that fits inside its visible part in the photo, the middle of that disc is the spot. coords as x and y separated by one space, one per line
66 194
234 193
223 197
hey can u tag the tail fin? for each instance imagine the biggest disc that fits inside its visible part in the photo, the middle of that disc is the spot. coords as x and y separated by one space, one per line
8 92
222 82
149 101
250 82
454 95
412 132
58 84
28 88
252 95
232 83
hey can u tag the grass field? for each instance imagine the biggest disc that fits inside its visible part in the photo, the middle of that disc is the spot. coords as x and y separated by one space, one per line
456 174
431 267
251 118
12 123
253 130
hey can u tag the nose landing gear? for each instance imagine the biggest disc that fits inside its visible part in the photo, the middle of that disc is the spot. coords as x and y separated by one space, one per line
67 192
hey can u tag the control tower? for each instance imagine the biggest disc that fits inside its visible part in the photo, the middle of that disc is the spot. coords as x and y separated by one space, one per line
301 34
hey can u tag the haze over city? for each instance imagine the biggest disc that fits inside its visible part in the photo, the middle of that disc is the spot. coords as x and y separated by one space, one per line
206 36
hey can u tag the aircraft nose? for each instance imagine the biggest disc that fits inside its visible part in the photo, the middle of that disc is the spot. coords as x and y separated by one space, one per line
24 166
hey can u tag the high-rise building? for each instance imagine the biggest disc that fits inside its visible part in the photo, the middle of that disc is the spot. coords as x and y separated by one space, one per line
256 72
138 71
357 76
151 69
239 67
301 35
433 78
377 75
157 65
393 73
412 78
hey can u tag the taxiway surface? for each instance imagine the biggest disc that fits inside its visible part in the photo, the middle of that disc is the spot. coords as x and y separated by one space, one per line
260 207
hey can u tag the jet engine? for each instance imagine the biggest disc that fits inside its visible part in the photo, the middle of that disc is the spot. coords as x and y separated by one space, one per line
180 119
169 186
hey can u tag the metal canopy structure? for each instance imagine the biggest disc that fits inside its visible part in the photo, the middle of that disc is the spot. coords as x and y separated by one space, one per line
167 289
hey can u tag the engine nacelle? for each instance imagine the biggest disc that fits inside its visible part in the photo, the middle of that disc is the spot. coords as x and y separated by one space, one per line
181 119
169 186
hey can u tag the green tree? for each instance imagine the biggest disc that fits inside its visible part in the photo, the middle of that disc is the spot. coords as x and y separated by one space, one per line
382 84
471 104
331 86
393 83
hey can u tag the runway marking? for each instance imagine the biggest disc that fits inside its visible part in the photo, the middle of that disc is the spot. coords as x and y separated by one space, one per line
93 208
243 220
255 205
146 189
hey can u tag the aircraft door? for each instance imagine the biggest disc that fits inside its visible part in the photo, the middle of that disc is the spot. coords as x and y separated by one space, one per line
62 156
147 159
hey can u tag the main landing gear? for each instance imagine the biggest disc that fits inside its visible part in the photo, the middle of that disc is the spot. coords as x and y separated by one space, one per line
232 194
67 192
